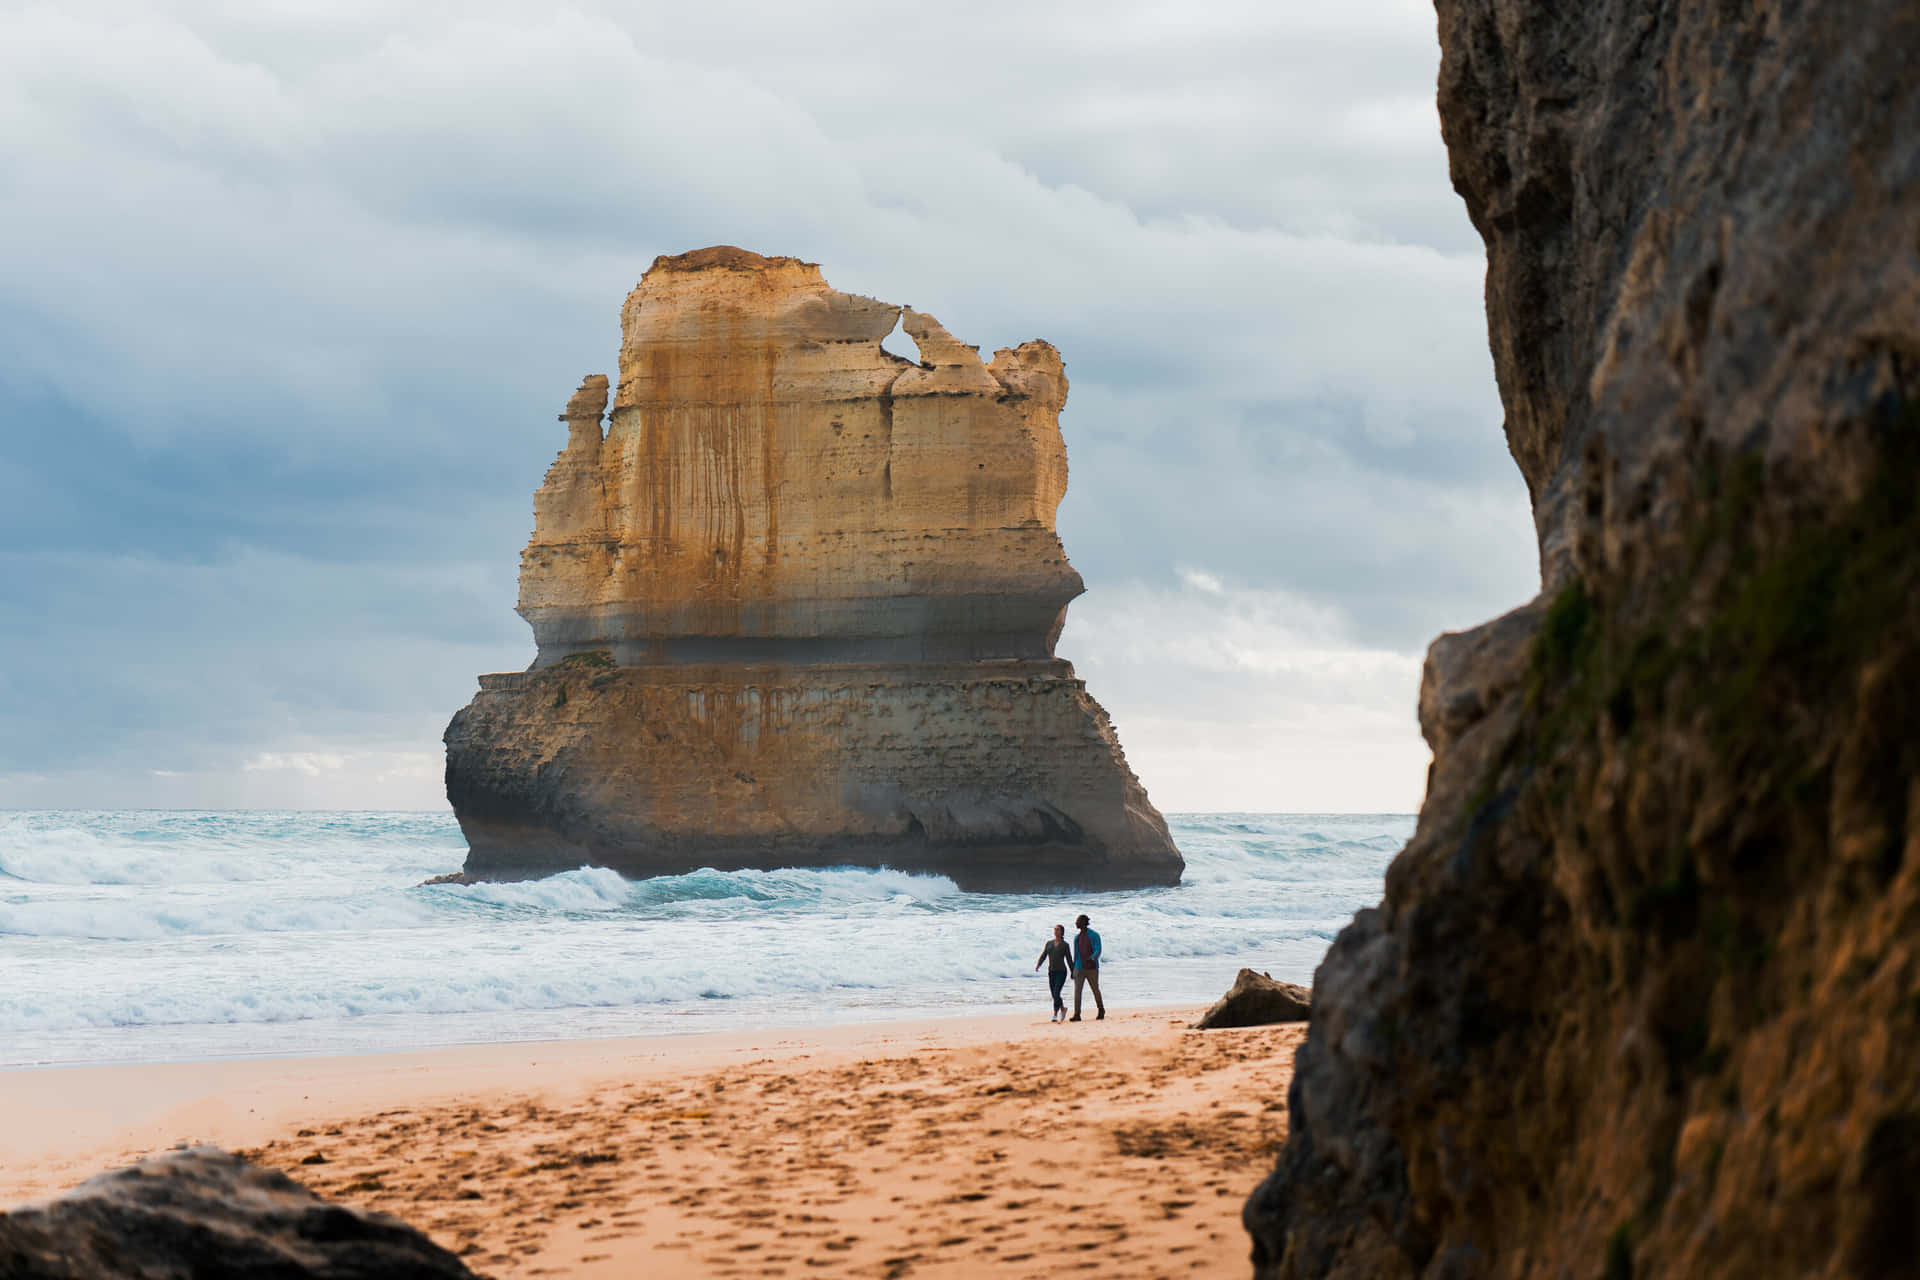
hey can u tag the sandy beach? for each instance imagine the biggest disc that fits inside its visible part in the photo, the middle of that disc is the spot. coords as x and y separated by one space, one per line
943 1147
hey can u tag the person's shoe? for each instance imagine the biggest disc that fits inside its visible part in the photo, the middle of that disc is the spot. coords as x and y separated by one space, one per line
1099 1015
1074 1018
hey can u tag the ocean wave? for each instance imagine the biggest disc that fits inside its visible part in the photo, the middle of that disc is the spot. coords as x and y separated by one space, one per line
804 888
522 976
586 889
190 847
77 857
585 892
134 919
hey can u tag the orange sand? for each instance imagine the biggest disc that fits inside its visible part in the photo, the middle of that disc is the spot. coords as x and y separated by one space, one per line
942 1148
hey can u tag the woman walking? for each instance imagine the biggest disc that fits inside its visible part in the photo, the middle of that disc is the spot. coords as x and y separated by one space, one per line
1054 956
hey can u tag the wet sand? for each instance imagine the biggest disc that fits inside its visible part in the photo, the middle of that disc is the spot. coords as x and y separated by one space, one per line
941 1148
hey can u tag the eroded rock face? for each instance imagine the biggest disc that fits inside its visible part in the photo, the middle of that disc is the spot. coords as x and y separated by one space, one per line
774 486
210 1215
1643 996
796 605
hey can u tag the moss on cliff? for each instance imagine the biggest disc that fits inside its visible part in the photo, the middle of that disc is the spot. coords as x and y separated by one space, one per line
1713 714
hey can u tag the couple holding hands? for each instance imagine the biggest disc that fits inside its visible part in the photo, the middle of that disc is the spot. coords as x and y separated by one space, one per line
1081 957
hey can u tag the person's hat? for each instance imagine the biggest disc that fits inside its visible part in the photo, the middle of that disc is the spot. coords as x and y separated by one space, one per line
1082 923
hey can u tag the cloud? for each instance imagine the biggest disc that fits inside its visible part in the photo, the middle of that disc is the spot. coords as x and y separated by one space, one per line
1230 698
136 664
291 294
311 763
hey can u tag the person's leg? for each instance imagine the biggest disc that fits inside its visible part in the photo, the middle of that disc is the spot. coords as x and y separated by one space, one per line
1056 981
1093 980
1079 980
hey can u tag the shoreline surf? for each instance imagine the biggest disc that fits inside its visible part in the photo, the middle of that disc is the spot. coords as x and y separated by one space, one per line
172 936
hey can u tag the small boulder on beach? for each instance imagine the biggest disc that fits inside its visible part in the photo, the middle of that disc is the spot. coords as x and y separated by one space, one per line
1257 1000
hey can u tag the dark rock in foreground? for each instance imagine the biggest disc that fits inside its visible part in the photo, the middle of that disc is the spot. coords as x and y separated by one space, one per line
208 1215
1643 996
1257 1000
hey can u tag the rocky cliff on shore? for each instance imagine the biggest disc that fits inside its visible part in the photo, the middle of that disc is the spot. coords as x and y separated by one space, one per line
796 604
1643 995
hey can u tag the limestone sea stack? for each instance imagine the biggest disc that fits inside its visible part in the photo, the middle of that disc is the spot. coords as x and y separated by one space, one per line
1643 996
796 605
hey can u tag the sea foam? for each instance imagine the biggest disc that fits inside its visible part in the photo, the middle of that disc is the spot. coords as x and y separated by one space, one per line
140 936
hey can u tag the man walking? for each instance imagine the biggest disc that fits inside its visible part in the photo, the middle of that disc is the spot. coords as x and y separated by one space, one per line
1086 967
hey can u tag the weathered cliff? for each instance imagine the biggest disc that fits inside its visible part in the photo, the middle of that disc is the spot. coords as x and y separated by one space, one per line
796 604
776 486
1643 994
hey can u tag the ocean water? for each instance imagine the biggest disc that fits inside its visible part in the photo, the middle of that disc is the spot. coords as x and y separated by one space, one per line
166 935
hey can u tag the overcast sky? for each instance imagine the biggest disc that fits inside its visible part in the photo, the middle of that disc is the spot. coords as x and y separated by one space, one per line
291 292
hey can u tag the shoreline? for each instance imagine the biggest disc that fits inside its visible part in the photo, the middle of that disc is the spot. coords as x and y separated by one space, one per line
152 1106
295 1055
681 1152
